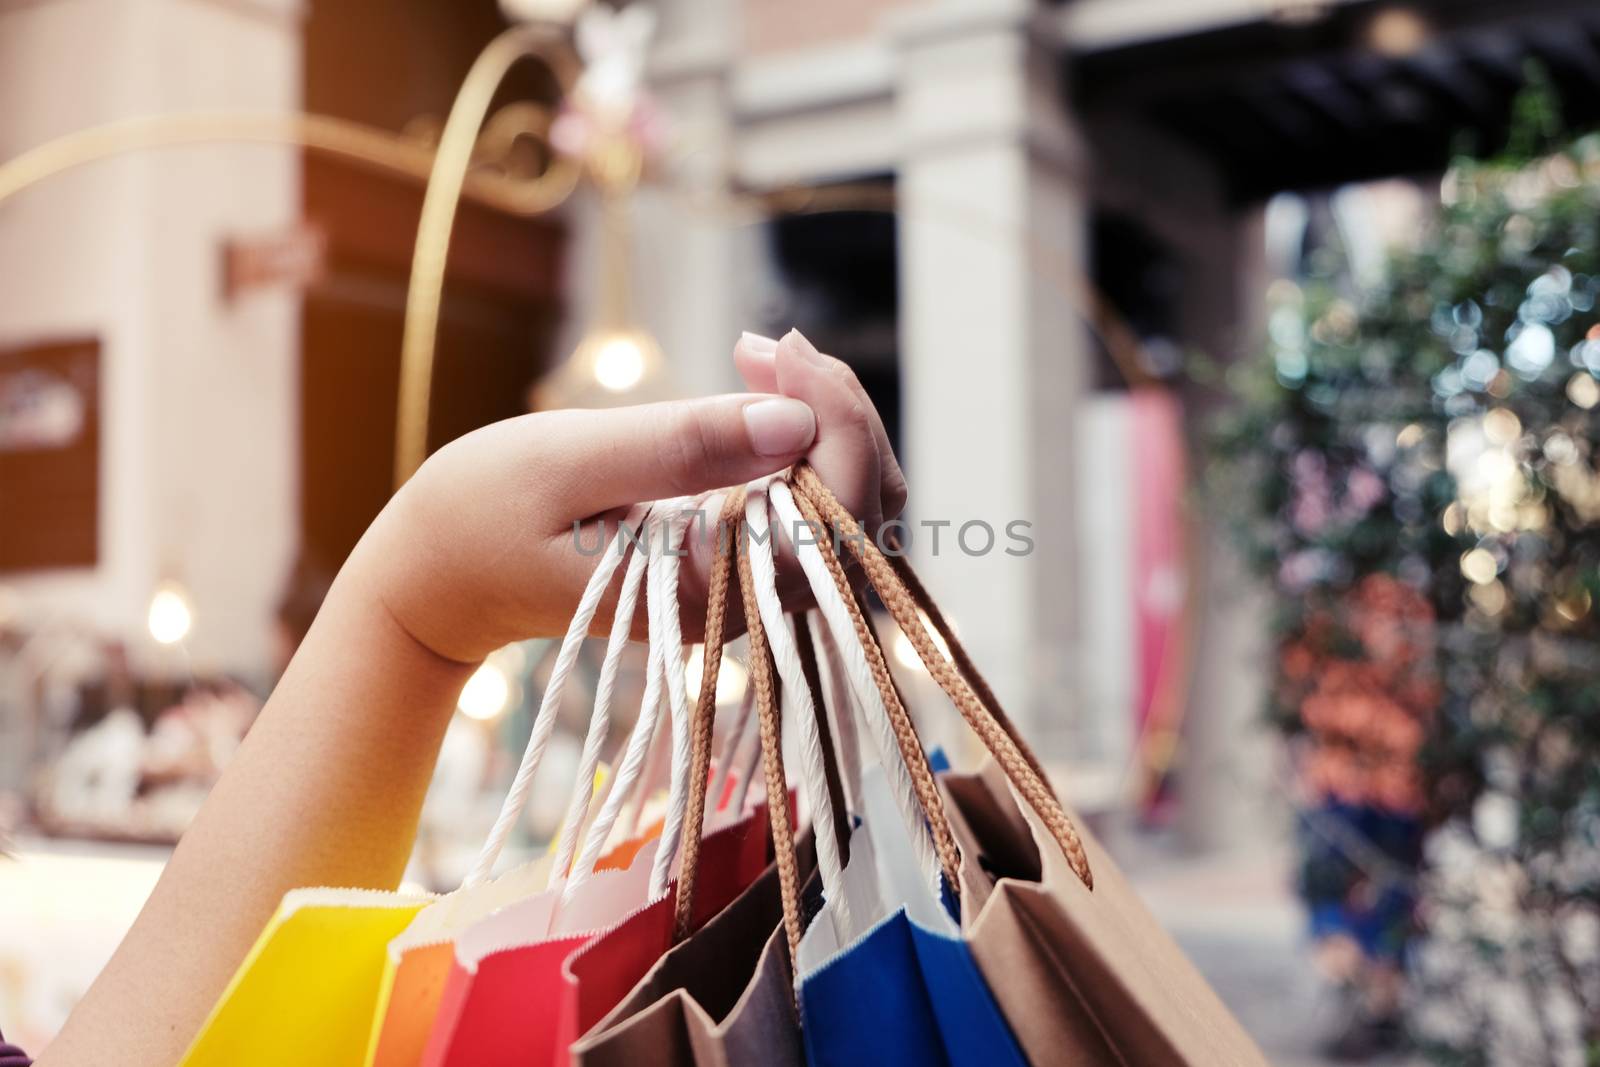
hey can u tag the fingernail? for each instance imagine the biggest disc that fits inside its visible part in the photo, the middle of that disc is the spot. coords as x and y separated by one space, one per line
757 344
779 427
799 343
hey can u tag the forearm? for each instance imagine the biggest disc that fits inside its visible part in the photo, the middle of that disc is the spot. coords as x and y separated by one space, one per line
325 790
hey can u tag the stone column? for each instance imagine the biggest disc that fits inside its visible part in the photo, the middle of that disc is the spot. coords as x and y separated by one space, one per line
690 249
993 348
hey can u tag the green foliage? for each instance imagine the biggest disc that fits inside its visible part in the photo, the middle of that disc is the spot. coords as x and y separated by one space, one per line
1442 427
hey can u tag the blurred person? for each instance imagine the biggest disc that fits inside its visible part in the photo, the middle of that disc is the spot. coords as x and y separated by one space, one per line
476 551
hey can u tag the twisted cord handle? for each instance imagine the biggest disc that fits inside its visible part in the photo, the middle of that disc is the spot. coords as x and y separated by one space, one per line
994 730
706 709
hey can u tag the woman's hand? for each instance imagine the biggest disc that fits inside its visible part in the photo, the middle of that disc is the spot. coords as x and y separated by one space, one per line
475 552
480 548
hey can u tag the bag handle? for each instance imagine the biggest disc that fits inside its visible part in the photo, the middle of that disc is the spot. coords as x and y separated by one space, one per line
842 703
904 761
706 709
670 622
833 781
600 718
963 661
998 735
791 671
549 705
633 758
771 724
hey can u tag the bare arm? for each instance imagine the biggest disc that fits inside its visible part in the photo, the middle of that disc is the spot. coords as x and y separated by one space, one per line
475 552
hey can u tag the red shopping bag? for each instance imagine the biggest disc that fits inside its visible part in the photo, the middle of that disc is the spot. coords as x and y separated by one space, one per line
598 976
523 1005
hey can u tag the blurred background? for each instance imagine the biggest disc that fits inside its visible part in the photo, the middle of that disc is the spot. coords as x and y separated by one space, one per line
1274 319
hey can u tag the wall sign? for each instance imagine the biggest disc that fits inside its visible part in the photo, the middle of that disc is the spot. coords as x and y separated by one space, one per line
50 455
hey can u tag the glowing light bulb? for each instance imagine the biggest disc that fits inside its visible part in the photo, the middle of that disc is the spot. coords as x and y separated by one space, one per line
619 363
486 694
170 618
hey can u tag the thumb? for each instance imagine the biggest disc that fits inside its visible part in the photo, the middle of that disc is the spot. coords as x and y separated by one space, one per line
600 460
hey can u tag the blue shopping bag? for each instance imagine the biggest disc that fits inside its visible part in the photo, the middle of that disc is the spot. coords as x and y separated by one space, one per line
902 988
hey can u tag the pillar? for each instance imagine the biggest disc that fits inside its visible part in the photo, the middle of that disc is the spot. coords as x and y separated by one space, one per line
993 348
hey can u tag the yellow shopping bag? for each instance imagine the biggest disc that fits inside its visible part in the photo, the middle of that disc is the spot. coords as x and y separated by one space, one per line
306 992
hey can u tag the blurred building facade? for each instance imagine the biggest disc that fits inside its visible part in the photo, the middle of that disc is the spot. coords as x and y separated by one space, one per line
998 345
198 407
1077 194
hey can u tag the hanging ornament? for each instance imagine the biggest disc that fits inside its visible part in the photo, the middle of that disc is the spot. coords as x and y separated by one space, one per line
612 127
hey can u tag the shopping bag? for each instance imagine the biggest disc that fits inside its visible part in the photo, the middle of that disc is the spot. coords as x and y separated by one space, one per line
520 990
507 1001
906 991
596 977
883 974
306 992
1091 974
418 962
718 999
1078 966
314 977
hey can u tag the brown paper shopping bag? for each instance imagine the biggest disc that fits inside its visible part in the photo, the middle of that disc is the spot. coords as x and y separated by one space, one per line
1082 976
1080 969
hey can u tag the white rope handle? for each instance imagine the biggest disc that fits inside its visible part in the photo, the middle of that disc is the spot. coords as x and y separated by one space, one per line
842 704
678 701
600 719
549 707
786 657
837 614
656 774
644 728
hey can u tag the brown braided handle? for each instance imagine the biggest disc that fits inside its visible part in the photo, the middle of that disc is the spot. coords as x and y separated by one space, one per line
994 730
761 680
962 660
905 731
706 709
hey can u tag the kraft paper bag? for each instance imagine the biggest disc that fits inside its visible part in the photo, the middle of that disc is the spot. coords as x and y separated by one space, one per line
1083 976
722 998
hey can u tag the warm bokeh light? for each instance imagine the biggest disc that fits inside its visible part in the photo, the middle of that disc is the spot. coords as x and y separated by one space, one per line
1479 565
1398 31
1583 390
486 694
732 677
619 363
905 653
170 618
1501 426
